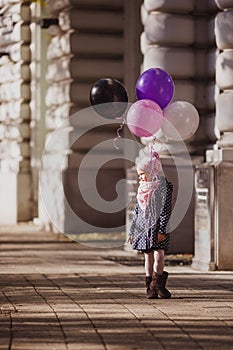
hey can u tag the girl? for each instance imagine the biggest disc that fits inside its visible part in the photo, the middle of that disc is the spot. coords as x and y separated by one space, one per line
149 232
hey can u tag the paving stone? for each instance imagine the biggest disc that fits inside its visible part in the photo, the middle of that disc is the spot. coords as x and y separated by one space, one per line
57 294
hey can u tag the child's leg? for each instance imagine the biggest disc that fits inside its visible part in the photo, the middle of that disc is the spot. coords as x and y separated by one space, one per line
160 276
149 261
159 261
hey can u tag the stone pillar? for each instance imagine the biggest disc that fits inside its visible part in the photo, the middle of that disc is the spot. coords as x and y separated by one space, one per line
214 240
224 73
39 41
224 123
15 175
87 45
178 37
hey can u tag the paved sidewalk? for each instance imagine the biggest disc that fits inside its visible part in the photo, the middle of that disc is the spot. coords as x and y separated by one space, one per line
57 294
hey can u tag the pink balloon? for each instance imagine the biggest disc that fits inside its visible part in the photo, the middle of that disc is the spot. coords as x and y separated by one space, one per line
181 120
144 118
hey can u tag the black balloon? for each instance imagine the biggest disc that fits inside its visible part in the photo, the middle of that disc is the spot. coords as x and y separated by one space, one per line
109 98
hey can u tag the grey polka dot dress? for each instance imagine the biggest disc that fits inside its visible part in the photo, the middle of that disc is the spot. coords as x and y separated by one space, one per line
147 224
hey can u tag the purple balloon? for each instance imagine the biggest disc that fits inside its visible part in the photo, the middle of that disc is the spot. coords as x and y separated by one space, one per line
157 85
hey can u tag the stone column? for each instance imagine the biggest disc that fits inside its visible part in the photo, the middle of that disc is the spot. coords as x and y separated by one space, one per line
179 38
224 74
224 123
87 45
39 41
15 175
214 188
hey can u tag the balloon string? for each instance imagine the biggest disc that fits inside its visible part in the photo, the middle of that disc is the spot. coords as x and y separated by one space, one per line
153 145
118 134
157 141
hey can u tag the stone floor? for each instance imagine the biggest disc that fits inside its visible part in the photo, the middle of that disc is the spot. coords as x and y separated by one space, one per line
57 294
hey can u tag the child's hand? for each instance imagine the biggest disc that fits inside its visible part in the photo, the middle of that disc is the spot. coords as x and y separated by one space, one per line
130 239
161 237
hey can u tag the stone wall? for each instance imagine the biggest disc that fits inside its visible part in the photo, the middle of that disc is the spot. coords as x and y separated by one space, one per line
15 176
214 239
224 72
224 116
178 37
87 45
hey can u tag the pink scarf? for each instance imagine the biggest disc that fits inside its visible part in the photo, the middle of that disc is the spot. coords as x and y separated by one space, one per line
145 190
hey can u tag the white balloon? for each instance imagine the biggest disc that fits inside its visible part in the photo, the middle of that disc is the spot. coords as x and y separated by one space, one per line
181 120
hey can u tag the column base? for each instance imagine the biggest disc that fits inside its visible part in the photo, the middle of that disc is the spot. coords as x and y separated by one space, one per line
213 215
8 200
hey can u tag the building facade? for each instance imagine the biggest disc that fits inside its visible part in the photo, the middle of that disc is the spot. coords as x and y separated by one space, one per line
51 53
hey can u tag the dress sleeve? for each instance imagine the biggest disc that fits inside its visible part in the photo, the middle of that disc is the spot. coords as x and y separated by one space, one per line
162 222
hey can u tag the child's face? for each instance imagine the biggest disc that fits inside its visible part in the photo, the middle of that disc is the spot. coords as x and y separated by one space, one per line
142 175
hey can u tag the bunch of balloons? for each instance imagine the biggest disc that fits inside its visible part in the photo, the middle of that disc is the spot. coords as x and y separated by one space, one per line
153 109
178 120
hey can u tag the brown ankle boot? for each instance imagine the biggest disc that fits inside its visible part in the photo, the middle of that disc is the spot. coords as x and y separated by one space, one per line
153 291
161 285
148 280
